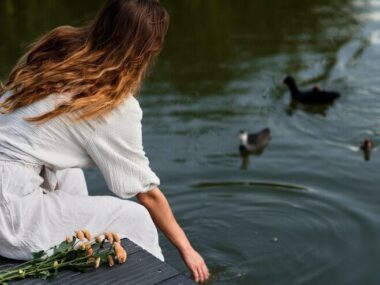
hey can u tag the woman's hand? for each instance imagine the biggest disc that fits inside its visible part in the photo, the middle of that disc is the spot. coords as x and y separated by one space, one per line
158 207
196 265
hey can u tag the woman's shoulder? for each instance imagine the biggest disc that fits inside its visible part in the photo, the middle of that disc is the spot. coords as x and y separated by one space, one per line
128 113
131 103
123 122
128 110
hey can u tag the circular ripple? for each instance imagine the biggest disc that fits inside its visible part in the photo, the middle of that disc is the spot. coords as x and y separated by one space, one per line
265 232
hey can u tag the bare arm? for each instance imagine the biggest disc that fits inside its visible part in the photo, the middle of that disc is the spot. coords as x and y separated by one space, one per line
162 215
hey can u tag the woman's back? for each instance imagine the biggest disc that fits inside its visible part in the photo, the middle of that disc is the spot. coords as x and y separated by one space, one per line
56 143
62 143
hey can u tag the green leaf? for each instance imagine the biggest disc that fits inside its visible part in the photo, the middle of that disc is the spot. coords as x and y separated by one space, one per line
43 274
38 255
103 256
63 247
74 254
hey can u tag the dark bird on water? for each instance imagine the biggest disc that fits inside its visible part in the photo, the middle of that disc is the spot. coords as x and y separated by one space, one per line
366 146
312 96
255 142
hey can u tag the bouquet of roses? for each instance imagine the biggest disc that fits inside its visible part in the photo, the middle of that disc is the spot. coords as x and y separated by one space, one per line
79 252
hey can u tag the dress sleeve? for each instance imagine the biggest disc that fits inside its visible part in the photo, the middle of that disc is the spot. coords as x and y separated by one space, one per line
116 148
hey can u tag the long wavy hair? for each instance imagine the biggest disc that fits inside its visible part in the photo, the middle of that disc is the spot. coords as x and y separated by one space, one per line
98 65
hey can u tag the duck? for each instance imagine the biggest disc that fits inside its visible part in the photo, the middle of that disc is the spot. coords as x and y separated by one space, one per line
312 96
251 143
366 146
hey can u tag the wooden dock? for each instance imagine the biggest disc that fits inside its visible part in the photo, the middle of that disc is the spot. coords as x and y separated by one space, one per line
141 268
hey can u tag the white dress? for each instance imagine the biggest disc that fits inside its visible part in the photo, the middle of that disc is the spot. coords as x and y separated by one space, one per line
43 193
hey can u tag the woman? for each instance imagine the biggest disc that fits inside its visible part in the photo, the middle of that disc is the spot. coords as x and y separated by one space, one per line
69 103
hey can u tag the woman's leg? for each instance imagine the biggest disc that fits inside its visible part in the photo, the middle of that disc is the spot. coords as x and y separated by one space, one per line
72 181
58 214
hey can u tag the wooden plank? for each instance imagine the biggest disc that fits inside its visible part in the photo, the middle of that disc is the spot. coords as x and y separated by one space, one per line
141 268
177 280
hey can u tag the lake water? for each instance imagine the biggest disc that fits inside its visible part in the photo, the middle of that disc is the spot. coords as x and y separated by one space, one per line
306 211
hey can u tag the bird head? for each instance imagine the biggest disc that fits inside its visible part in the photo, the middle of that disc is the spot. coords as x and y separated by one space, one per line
266 131
288 80
243 136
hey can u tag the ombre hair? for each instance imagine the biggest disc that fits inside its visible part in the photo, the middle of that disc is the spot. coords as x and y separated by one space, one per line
99 64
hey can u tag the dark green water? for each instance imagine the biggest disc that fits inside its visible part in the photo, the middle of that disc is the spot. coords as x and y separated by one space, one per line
307 210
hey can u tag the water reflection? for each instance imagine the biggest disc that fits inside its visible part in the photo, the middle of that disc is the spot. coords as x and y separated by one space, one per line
245 161
214 41
293 106
23 21
221 40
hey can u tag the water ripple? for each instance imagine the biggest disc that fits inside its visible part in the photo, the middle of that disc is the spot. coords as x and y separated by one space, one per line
284 229
250 184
